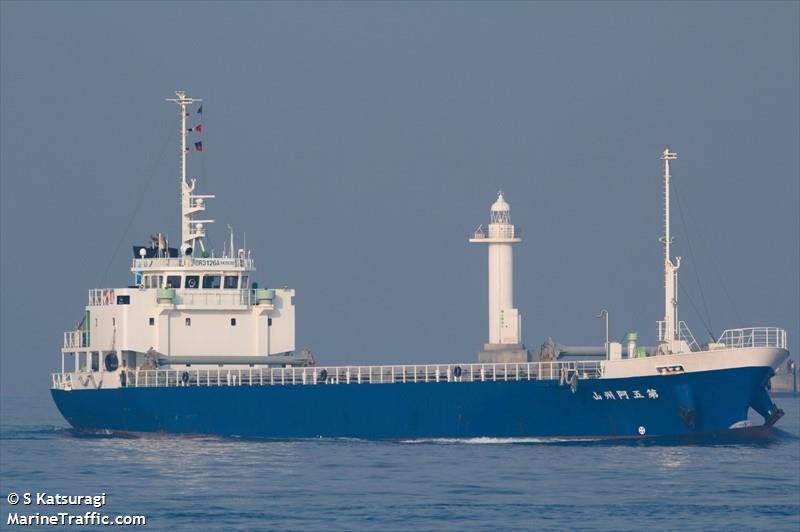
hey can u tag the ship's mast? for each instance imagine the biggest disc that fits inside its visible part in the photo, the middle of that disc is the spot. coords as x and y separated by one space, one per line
192 231
668 333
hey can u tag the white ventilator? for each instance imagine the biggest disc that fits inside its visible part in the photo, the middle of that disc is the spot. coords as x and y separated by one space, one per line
505 327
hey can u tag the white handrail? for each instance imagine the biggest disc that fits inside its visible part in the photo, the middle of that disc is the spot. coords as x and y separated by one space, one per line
754 337
194 297
196 262
395 374
75 339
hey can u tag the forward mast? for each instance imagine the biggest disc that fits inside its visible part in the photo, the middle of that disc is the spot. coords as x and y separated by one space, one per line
668 327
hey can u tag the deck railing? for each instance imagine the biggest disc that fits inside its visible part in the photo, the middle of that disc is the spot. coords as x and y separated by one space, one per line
754 337
215 297
431 373
685 334
201 262
61 381
76 339
101 296
192 297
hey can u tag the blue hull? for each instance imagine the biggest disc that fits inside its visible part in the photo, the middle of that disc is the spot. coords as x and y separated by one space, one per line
673 405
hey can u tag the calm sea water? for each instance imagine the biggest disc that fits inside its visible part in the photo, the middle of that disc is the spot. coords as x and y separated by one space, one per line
183 483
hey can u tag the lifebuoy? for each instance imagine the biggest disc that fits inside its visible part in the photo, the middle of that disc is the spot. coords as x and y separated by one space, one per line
185 377
111 362
191 283
457 371
323 375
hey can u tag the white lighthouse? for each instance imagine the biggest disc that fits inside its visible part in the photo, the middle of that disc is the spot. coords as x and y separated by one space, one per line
505 322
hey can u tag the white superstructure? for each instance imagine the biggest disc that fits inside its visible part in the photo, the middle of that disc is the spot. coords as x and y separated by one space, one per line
505 321
186 307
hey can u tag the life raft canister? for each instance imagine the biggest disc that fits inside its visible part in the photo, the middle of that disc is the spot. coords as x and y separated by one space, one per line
323 375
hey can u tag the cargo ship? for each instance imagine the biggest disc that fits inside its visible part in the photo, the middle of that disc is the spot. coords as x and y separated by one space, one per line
195 345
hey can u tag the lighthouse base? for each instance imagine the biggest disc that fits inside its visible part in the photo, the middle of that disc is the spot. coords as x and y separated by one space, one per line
500 353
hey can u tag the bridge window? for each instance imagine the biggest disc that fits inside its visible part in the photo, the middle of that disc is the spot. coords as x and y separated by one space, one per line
211 281
244 282
192 281
173 281
231 281
152 281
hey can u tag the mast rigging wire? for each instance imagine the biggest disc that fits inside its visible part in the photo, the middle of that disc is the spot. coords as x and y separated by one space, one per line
708 325
140 199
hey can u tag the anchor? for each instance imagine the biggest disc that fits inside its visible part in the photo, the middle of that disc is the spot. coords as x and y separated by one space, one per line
762 403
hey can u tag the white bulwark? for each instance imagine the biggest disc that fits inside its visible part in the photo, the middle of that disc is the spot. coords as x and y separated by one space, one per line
505 322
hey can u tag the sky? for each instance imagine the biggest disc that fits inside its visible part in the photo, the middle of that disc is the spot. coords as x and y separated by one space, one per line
358 145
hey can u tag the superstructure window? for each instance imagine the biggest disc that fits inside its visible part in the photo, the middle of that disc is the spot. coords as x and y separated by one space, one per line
192 281
188 322
151 321
152 281
173 281
233 322
123 300
95 361
231 281
211 281
245 280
